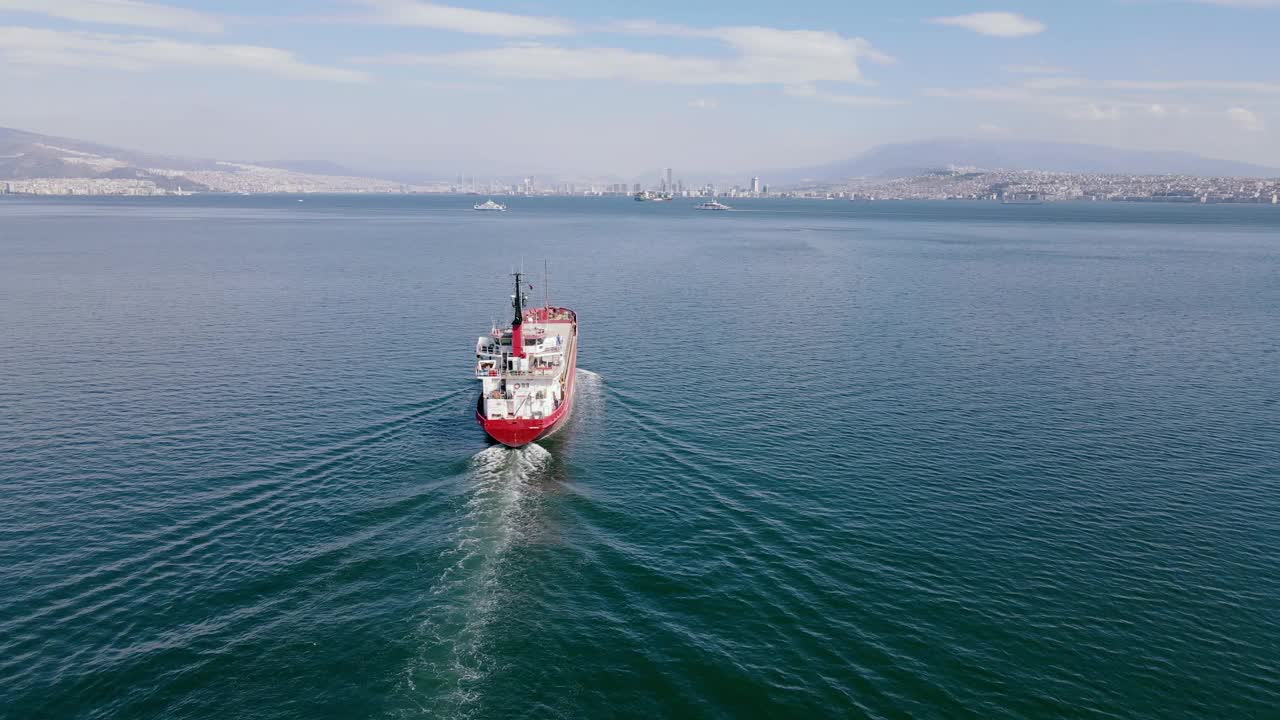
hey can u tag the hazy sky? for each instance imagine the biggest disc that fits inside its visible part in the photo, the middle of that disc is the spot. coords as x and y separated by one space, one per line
600 88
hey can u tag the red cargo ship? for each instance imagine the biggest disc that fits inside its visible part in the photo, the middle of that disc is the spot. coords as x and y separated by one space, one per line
526 372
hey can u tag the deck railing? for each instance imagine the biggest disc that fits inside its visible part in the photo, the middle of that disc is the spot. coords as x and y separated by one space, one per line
482 372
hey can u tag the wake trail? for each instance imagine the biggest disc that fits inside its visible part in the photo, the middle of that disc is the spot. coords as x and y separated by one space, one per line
454 659
588 401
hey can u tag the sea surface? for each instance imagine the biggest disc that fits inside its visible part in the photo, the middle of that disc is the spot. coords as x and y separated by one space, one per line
828 459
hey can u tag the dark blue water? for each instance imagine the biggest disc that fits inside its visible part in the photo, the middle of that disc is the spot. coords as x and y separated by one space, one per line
828 460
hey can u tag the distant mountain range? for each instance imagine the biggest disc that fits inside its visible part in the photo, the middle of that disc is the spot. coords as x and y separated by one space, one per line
28 156
314 167
915 158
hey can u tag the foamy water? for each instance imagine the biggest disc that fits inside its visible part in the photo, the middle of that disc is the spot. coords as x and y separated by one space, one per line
500 485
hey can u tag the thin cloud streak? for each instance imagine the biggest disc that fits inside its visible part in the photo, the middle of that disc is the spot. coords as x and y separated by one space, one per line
755 39
412 13
764 56
1109 108
1240 3
1245 119
1035 70
35 46
1230 86
1041 88
996 24
559 63
119 12
812 93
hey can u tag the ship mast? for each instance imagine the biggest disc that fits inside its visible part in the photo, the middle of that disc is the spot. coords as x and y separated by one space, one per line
517 324
517 303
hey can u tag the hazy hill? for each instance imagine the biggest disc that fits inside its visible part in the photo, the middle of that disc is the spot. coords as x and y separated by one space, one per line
19 148
906 159
314 167
30 156
27 155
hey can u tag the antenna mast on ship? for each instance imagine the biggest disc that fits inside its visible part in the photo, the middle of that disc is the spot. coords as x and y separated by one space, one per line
517 323
518 303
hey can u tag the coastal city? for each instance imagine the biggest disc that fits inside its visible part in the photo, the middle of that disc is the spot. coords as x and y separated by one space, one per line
947 184
1038 186
231 178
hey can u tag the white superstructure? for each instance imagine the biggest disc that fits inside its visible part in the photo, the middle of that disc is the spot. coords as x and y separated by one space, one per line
532 386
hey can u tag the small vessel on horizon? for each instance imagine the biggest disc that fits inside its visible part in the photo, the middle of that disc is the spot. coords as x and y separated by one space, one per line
1022 199
489 206
526 371
712 205
651 196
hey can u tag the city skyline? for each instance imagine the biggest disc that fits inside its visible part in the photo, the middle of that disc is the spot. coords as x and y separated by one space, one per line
501 88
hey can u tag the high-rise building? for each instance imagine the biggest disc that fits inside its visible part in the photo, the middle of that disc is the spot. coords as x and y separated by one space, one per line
668 187
755 186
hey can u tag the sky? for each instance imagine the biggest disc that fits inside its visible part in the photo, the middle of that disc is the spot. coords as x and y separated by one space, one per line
602 89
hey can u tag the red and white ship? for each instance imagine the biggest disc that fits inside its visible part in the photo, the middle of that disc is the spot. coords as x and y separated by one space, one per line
526 372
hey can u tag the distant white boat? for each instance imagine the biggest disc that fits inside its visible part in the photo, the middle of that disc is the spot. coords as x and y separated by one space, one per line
489 206
1030 198
711 205
651 196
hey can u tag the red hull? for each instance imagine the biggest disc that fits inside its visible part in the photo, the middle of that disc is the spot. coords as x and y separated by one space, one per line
522 431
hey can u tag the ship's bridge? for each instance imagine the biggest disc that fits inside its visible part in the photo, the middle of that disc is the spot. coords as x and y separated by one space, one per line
541 347
543 355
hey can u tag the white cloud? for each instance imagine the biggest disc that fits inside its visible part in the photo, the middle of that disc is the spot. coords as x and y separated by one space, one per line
412 13
999 24
992 129
1053 83
773 47
778 47
119 12
703 104
1154 98
1080 107
1035 70
539 62
1227 86
813 93
990 94
1241 3
1095 111
763 56
34 46
1246 120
